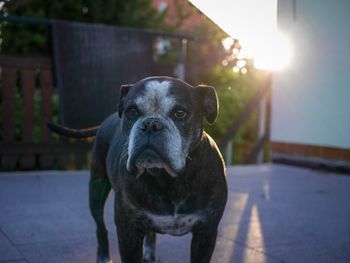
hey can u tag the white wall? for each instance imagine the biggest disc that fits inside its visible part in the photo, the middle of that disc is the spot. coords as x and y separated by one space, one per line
311 99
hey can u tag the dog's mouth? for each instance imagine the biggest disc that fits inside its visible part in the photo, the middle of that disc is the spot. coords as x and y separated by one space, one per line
149 161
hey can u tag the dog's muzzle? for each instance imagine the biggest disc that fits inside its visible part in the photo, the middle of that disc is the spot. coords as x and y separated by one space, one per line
148 151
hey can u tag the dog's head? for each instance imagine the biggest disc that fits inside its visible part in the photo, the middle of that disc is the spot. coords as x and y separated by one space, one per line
163 120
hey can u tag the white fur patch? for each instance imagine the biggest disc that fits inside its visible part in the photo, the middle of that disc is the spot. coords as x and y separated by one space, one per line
148 254
175 148
174 224
132 142
156 98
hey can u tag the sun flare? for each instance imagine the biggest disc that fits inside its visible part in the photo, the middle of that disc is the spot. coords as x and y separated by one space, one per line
275 53
254 24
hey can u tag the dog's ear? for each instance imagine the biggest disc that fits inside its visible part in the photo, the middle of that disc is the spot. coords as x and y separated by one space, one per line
209 102
124 89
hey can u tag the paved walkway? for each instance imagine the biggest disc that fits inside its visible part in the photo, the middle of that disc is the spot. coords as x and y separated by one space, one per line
274 214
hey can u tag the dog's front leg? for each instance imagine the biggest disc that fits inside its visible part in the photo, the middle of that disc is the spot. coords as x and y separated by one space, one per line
202 245
149 247
130 239
130 244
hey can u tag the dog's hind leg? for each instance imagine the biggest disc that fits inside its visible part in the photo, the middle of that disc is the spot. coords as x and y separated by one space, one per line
149 247
99 189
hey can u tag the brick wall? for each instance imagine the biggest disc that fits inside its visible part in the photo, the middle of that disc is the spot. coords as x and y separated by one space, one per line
303 153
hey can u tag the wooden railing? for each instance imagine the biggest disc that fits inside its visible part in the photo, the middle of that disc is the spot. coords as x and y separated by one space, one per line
27 95
260 100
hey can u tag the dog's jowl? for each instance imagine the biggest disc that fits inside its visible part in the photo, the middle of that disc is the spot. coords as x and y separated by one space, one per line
167 173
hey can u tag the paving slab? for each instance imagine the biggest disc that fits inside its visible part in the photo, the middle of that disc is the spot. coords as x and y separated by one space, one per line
78 250
40 223
275 213
8 251
15 261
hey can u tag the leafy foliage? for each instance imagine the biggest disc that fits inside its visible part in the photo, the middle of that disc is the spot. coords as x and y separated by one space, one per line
212 64
21 38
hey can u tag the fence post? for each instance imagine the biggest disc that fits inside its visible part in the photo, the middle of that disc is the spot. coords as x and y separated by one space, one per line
263 117
182 58
228 153
8 161
261 128
27 161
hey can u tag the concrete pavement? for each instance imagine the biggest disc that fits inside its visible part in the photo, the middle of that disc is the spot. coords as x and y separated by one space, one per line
274 213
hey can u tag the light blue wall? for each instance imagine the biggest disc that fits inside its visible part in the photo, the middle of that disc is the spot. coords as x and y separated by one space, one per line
311 99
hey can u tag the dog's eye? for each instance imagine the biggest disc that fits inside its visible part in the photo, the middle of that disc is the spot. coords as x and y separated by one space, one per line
132 113
180 114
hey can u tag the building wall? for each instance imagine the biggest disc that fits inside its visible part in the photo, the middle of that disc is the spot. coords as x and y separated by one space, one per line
311 99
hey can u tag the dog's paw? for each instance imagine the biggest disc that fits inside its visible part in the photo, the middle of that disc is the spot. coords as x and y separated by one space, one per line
148 258
149 261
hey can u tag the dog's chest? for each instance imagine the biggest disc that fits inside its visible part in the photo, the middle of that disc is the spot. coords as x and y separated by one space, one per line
176 205
177 224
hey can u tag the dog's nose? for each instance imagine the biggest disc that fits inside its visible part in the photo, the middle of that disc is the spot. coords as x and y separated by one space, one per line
151 125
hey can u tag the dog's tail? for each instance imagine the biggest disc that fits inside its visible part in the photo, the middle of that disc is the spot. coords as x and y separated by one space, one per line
73 133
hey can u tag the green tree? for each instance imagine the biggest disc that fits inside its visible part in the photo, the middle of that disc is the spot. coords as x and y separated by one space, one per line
210 63
21 38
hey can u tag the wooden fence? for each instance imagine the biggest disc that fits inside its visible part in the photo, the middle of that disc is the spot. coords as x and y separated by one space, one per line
27 104
29 100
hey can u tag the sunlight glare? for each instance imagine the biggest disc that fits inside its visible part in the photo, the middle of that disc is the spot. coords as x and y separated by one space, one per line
235 69
241 63
255 235
235 51
236 205
227 42
254 24
275 53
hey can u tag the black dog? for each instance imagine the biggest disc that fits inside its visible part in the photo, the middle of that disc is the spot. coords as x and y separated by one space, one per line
167 173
